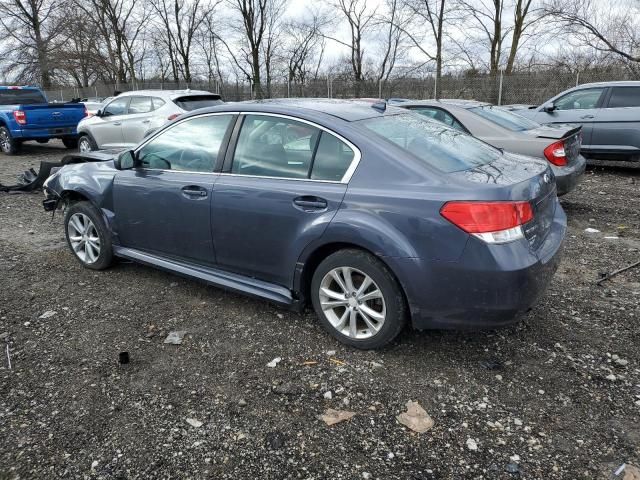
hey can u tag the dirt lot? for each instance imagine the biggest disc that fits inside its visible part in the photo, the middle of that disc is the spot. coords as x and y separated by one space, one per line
555 396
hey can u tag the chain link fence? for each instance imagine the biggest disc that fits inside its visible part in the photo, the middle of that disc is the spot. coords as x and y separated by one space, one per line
520 88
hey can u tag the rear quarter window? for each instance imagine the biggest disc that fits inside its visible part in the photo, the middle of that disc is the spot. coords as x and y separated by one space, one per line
193 102
437 145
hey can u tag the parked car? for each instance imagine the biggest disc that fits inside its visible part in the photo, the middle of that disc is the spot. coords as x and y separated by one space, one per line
371 215
125 120
26 115
609 113
558 144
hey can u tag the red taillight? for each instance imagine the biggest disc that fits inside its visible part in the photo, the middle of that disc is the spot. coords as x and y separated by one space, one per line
485 217
556 154
173 116
20 117
86 112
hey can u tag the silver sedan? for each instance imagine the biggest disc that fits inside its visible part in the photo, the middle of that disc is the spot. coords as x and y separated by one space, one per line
126 119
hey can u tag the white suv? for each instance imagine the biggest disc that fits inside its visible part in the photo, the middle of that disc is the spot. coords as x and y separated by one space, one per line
129 117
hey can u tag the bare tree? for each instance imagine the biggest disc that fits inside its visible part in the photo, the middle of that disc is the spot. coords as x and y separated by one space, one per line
393 24
32 34
305 47
210 45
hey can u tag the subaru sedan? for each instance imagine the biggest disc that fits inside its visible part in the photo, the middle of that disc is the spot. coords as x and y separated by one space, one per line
373 215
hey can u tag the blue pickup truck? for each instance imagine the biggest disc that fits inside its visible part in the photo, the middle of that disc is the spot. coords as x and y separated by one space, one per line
26 115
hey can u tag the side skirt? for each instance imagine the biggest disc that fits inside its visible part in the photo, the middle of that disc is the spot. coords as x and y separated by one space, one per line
215 277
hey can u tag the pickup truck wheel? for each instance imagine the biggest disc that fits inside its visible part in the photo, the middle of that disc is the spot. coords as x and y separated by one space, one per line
357 299
85 144
87 236
70 143
8 144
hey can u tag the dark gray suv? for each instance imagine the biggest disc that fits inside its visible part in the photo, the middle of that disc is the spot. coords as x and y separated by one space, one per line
373 215
609 113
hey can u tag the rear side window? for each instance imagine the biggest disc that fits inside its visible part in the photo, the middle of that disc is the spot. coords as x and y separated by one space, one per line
193 102
505 118
157 103
435 144
285 148
21 97
140 105
624 97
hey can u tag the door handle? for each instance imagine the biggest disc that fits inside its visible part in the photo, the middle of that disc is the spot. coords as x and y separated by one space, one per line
585 117
310 203
194 191
117 123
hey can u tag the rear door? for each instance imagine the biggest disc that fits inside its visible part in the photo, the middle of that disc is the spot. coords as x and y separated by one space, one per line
580 107
107 129
137 121
617 129
280 188
163 206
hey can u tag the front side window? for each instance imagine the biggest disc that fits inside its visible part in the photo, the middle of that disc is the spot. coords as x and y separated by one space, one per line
580 99
505 118
192 145
624 97
437 145
140 105
285 148
117 107
440 116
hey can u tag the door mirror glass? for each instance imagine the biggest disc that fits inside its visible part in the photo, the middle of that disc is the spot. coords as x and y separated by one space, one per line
548 107
126 160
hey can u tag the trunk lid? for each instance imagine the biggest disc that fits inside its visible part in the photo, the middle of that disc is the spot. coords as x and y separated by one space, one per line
570 135
517 178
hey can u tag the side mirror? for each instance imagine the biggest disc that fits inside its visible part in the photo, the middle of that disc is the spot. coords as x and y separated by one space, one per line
126 160
99 113
549 107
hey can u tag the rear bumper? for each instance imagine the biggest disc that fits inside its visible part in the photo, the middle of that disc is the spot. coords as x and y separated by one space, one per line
568 177
490 286
40 133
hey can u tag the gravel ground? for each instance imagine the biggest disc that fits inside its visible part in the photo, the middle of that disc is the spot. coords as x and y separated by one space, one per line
555 396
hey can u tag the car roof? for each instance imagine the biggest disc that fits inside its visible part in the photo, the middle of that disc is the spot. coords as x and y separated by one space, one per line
348 110
445 102
619 83
170 94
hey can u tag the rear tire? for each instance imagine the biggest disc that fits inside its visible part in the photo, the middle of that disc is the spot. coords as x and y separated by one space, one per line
70 143
85 144
87 236
357 299
8 144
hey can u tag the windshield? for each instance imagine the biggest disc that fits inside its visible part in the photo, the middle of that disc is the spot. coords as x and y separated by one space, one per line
21 97
432 142
194 102
505 118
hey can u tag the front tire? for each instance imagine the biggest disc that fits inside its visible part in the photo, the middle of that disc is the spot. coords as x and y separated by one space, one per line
87 236
8 144
357 299
85 144
70 143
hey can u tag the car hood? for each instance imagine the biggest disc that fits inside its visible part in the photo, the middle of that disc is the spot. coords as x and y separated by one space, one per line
554 131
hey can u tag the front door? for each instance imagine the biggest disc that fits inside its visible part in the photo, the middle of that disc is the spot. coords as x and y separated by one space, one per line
163 205
284 185
579 107
107 129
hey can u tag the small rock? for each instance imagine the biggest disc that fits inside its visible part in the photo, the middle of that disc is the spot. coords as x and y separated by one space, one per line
416 418
512 468
611 377
517 421
31 232
541 392
273 363
591 230
48 314
328 395
275 440
94 464
242 402
175 338
26 324
331 353
331 416
390 455
4 335
194 423
279 315
499 378
619 361
173 284
472 444
366 475
514 458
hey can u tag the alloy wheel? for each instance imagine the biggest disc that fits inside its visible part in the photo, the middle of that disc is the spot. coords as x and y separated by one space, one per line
83 237
352 302
5 143
84 145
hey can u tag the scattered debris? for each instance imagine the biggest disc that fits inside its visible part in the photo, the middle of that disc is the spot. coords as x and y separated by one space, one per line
331 353
512 467
492 364
175 338
607 276
8 357
611 237
309 362
620 469
328 395
47 314
337 362
242 402
275 440
472 444
416 418
4 335
591 230
331 416
273 363
123 358
631 472
194 423
94 464
288 388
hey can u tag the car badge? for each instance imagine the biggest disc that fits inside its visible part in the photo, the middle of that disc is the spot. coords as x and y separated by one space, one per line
546 178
